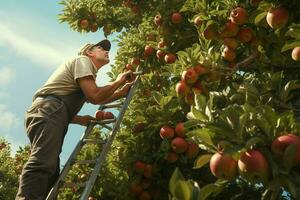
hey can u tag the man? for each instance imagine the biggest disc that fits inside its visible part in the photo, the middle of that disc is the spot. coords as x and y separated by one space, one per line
54 106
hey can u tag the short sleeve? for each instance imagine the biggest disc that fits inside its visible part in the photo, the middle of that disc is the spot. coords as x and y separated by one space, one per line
83 67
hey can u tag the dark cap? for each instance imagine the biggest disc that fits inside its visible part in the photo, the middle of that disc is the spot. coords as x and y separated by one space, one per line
105 44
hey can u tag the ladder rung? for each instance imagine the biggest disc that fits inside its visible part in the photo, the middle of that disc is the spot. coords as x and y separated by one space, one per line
106 121
84 162
113 105
71 185
94 141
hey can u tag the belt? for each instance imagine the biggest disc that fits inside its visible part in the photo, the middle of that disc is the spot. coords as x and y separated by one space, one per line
48 97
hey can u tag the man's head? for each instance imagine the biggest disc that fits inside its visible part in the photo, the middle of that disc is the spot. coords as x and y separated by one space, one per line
97 52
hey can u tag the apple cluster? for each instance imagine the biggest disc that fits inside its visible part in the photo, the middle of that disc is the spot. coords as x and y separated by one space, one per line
102 115
252 165
178 142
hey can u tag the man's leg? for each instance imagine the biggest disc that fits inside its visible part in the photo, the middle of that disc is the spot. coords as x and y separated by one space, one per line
46 135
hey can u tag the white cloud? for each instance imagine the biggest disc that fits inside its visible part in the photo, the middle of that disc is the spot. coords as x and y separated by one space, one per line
6 75
7 119
31 48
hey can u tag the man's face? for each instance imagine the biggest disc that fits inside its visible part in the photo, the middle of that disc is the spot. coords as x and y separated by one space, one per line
99 54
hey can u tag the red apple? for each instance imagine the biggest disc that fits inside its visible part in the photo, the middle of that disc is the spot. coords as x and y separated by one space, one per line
94 27
179 129
172 157
160 54
158 20
277 17
148 171
210 32
149 50
139 166
135 189
192 151
245 34
161 44
190 98
135 61
230 29
166 132
182 88
179 145
84 23
296 54
228 54
99 115
128 67
223 166
254 2
176 18
239 15
231 43
197 87
170 58
253 166
200 69
138 127
108 115
189 75
280 144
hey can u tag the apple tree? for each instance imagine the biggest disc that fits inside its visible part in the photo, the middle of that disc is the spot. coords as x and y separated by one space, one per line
216 114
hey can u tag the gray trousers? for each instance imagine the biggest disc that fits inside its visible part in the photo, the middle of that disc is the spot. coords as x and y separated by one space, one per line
46 123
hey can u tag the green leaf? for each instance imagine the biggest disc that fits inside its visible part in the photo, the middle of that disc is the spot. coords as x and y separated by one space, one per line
207 190
176 176
201 161
253 141
183 190
260 17
293 32
290 45
203 134
199 114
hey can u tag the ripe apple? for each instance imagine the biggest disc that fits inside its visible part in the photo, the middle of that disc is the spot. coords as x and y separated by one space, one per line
160 54
277 17
158 20
245 34
254 2
197 87
148 171
179 129
139 166
230 29
231 43
176 18
107 29
99 115
179 145
94 27
223 166
280 144
189 76
170 58
108 115
200 69
149 50
135 189
253 166
145 195
182 88
239 15
197 21
228 54
84 23
210 32
135 9
296 54
128 67
135 61
172 157
192 151
138 127
161 44
92 198
166 132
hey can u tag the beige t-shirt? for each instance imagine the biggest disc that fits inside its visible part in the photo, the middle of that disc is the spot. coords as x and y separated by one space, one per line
64 80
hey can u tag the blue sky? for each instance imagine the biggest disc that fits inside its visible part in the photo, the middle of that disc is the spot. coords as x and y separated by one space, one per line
32 45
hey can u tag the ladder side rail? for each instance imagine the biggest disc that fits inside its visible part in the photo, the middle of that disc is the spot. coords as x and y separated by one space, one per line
101 158
53 192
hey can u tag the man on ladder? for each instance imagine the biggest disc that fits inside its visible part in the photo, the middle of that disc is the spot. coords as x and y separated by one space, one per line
55 105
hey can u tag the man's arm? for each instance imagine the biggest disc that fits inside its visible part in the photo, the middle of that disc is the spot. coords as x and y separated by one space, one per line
95 94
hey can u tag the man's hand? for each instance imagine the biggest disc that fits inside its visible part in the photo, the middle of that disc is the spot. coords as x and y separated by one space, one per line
85 120
125 89
123 77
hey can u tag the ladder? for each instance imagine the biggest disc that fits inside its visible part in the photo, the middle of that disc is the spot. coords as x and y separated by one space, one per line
88 185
